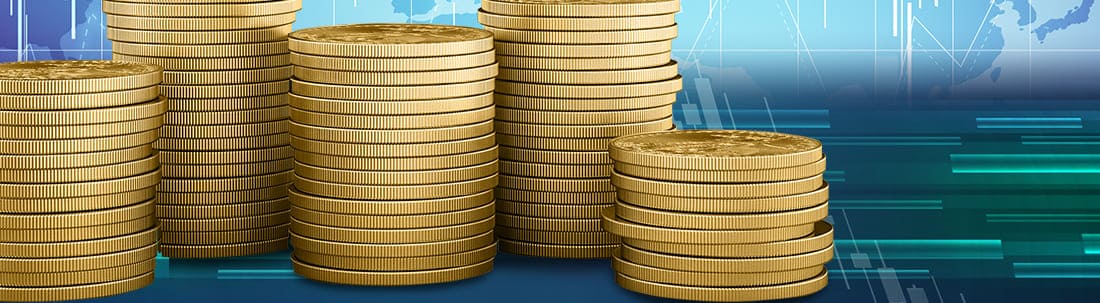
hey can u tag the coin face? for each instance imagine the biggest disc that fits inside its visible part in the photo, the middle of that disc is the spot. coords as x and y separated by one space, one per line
72 70
391 34
716 144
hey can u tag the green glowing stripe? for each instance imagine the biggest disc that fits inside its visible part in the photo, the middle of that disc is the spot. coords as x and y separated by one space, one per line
1028 119
1091 242
887 204
1059 126
1042 218
1043 248
1025 163
924 249
1057 270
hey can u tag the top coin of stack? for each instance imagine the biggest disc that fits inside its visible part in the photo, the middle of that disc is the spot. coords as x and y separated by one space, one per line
78 178
574 75
720 215
392 126
224 144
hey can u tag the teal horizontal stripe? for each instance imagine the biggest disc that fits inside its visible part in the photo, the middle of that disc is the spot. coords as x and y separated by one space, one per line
1043 248
1060 140
891 141
1042 218
256 274
1028 119
1039 126
1056 270
924 249
887 204
1025 163
1091 243
904 274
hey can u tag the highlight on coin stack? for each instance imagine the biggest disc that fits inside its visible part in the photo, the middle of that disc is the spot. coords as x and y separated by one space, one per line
720 215
573 76
224 147
395 155
78 177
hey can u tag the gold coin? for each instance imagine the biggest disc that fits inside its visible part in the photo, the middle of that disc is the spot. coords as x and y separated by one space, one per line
77 204
225 170
581 8
81 219
82 117
512 49
555 171
428 135
581 131
222 144
55 235
198 24
87 131
717 190
821 238
55 279
228 77
557 198
583 64
211 64
65 293
423 107
223 250
582 105
79 174
224 91
388 122
725 294
201 10
395 151
709 205
591 77
392 278
557 237
390 41
226 104
75 77
79 248
224 184
392 236
64 161
553 157
201 238
379 208
590 91
687 220
271 114
416 64
585 37
391 250
397 264
395 78
261 35
727 265
631 230
553 211
383 192
557 251
724 176
198 51
391 221
225 197
360 177
557 185
716 150
398 164
225 224
71 264
79 100
223 131
703 279
80 189
575 24
549 224
392 93
582 118
225 211
226 157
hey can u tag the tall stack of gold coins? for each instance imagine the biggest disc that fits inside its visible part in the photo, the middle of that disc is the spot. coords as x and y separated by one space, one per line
224 147
720 215
573 76
392 129
78 177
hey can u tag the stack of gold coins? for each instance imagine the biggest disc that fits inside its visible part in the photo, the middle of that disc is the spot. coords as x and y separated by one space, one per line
395 156
224 147
720 215
573 76
78 177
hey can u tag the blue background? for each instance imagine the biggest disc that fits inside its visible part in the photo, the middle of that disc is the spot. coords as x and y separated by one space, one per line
961 142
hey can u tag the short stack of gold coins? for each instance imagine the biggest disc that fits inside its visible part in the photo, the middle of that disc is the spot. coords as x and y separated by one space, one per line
224 147
573 76
395 156
78 177
720 215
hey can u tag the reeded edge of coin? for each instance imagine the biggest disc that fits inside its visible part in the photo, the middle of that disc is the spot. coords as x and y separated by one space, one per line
554 157
394 222
585 64
585 37
582 51
227 104
724 176
99 230
702 279
270 34
575 24
727 265
243 76
248 9
69 278
686 220
591 91
420 107
586 118
390 159
79 248
225 237
78 204
79 219
820 239
226 157
413 64
423 177
391 78
80 189
225 211
211 64
556 198
222 144
735 205
76 101
225 197
224 131
226 224
557 237
85 131
557 251
549 224
555 171
391 278
391 250
552 211
581 131
223 251
391 93
224 184
580 104
717 190
85 116
393 122
595 9
198 24
725 294
557 185
391 136
392 236
630 230
31 294
81 263
397 264
301 43
385 192
80 174
371 207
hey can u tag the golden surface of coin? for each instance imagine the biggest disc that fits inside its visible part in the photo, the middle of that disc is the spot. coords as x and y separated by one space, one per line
226 157
701 279
397 264
590 91
75 146
415 64
389 78
734 205
227 117
225 197
556 198
582 118
631 230
228 77
392 236
687 220
725 176
583 64
203 171
581 8
224 91
271 34
66 293
557 237
18 102
204 238
409 192
83 117
61 279
458 217
821 238
77 204
63 161
396 151
582 51
224 184
225 211
82 233
222 144
391 250
391 136
211 64
725 294
554 211
226 224
727 265
585 37
198 24
549 224
392 278
555 171
557 185
201 10
422 107
716 150
224 250
386 122
554 157
360 177
557 251
390 40
87 131
591 77
378 208
75 77
80 174
575 24
391 93
581 131
394 164
79 248
79 189
224 131
718 190
226 104
109 260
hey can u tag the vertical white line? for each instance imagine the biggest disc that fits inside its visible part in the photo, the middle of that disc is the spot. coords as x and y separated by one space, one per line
721 34
953 54
729 109
874 39
770 118
936 3
334 12
920 3
19 32
896 17
825 14
909 47
355 3
72 25
1030 30
11 7
798 55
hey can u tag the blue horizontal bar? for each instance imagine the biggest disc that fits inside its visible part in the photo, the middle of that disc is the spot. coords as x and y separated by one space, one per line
887 204
1028 119
873 274
924 249
1042 218
1057 270
1025 163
